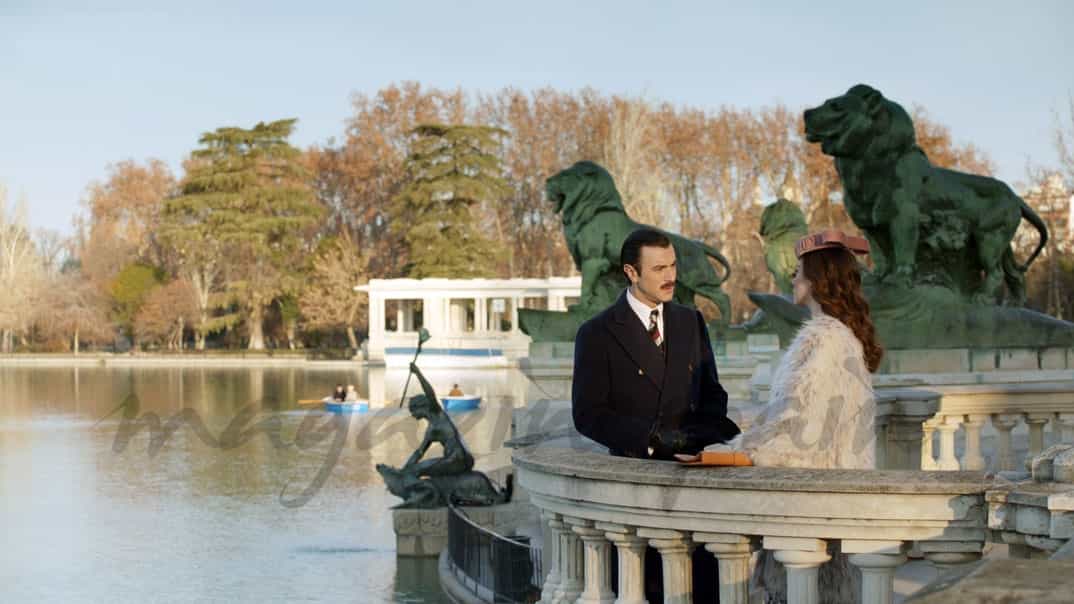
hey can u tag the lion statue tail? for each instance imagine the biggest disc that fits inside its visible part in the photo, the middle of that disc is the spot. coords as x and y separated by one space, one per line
715 254
1032 218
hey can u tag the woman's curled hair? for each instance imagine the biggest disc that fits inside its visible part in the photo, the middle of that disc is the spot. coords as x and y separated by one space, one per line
836 285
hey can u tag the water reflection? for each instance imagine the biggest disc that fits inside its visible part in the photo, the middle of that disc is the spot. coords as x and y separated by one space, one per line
196 522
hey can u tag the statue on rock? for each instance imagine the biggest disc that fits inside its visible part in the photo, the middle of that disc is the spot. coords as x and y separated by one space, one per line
940 239
595 224
438 481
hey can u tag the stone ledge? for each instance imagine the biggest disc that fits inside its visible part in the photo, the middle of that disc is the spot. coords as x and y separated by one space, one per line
553 458
995 581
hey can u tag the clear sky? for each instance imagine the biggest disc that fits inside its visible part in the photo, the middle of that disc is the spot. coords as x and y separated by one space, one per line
80 89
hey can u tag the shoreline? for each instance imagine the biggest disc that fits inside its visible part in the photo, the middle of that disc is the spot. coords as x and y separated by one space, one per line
237 359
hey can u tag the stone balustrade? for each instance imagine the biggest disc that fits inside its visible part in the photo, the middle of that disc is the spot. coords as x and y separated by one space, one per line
971 407
592 502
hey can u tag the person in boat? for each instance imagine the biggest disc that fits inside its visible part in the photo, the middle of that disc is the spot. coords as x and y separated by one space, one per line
339 394
455 391
352 393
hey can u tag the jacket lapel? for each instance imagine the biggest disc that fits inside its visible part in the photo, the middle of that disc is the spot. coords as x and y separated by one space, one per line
631 335
676 346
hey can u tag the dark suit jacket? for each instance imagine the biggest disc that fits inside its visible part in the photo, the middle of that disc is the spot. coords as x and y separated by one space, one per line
625 391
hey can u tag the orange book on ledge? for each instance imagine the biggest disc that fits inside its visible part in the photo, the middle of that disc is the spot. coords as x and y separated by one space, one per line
720 458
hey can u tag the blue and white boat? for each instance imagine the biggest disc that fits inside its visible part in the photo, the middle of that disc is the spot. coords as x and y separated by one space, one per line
334 406
463 402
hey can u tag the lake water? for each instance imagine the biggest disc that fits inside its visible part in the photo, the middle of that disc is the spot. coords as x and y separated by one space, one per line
90 513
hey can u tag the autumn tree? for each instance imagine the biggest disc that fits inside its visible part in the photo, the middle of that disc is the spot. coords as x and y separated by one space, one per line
451 171
167 311
328 302
126 206
245 199
21 273
77 311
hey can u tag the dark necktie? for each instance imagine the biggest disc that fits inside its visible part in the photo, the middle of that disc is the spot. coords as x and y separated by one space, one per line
654 330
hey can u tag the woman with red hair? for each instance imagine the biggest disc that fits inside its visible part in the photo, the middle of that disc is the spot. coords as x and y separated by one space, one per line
821 411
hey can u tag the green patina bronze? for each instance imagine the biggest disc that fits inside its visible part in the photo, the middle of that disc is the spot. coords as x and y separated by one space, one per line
438 481
782 224
595 224
940 239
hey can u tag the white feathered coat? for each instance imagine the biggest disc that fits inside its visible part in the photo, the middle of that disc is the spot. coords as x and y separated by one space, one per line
821 411
820 414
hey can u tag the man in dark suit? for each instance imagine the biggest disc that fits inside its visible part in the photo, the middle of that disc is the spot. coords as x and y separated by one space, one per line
645 380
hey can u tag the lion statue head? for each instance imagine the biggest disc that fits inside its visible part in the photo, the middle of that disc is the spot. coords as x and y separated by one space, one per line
860 124
781 218
581 191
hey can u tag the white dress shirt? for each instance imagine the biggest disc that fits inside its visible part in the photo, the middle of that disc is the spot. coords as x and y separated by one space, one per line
642 310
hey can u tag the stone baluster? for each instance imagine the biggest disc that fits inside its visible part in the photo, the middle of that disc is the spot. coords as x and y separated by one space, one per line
971 457
878 561
802 559
1064 422
1004 423
1036 423
598 587
733 563
947 428
674 548
928 459
631 550
552 579
571 560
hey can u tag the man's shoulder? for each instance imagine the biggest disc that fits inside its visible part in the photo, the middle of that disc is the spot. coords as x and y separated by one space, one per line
597 322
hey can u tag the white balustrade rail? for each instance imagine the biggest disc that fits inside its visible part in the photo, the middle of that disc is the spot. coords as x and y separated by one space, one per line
971 407
591 502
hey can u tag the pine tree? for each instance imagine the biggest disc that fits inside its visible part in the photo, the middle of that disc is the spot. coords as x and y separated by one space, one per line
451 170
244 214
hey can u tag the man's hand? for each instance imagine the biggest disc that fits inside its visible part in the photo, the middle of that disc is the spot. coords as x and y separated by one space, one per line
671 440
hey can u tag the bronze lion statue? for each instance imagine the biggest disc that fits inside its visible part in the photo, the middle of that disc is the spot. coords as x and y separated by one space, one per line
782 225
595 224
925 224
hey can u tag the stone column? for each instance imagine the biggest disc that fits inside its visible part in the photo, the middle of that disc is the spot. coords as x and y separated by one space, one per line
1004 423
802 559
928 460
1064 424
598 588
878 561
947 428
674 548
570 566
904 443
1036 423
551 553
733 561
481 315
515 302
972 458
631 550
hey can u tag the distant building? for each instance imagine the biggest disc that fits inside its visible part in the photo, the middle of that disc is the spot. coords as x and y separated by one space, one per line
473 322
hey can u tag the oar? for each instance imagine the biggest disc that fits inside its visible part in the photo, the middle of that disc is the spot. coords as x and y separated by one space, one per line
310 401
423 337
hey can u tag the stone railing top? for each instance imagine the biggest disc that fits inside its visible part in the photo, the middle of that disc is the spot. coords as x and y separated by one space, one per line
551 458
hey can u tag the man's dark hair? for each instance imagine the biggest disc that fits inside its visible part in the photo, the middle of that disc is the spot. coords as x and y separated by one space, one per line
643 237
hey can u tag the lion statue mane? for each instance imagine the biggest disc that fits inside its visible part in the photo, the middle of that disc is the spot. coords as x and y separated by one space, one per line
595 224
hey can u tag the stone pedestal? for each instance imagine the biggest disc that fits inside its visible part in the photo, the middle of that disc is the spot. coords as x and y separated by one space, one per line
421 533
